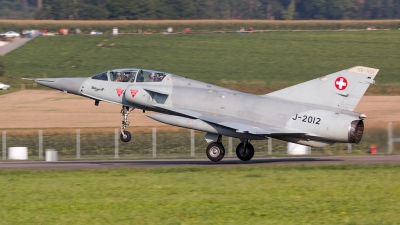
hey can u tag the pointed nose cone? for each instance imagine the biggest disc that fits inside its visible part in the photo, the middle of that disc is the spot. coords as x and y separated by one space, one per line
49 82
71 85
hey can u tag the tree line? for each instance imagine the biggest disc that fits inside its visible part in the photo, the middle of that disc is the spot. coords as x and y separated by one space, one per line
208 9
17 9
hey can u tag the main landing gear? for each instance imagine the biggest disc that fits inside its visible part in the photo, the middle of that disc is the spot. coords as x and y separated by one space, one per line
245 150
216 151
125 135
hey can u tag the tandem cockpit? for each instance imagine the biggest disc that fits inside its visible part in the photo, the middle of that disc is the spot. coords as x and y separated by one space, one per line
131 75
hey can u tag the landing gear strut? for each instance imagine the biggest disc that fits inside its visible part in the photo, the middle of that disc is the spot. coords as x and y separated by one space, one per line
245 150
125 135
216 151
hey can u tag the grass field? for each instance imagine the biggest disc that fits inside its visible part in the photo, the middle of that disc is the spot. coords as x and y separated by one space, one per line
157 26
337 194
257 63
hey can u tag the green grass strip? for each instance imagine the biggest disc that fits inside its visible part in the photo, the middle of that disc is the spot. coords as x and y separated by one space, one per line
334 194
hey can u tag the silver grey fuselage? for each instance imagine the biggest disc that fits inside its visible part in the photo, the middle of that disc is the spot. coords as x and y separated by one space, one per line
312 125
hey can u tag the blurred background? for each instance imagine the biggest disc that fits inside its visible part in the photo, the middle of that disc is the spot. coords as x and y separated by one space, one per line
254 46
199 9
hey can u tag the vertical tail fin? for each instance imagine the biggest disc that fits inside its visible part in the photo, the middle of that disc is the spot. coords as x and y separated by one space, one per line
343 89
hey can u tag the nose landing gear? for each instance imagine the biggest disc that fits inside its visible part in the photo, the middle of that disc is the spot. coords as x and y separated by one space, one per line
125 135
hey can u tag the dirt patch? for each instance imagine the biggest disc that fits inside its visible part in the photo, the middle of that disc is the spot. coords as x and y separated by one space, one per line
380 110
55 111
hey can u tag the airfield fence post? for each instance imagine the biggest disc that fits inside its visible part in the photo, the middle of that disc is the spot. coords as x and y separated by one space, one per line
230 145
191 142
78 143
390 138
116 143
269 146
154 140
40 144
4 145
349 147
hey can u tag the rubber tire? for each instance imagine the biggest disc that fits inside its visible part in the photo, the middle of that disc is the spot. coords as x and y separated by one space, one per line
128 136
213 149
247 154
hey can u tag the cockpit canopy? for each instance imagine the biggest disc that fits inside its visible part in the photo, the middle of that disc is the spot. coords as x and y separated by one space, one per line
131 75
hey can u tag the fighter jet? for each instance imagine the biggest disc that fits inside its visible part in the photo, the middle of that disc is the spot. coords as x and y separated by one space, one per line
314 113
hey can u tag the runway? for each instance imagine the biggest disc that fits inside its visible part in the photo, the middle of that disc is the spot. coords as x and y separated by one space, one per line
168 163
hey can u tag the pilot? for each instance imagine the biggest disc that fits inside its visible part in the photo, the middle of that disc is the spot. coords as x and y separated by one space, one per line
139 78
152 77
119 77
126 78
161 77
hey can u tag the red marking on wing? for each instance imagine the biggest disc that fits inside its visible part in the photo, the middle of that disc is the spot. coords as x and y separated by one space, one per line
120 92
133 92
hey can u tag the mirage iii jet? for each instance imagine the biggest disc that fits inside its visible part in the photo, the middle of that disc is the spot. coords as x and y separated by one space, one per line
314 113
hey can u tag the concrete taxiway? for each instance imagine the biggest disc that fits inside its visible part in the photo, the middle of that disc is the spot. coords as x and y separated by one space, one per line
16 43
167 163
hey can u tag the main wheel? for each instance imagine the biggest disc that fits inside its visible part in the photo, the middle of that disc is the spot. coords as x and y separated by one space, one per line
215 151
245 154
127 138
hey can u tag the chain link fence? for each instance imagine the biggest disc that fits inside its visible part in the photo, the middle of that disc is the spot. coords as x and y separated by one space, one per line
152 142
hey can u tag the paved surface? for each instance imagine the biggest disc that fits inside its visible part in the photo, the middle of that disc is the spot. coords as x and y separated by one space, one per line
13 45
164 163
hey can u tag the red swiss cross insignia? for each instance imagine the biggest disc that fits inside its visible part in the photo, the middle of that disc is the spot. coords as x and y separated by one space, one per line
341 83
120 92
133 92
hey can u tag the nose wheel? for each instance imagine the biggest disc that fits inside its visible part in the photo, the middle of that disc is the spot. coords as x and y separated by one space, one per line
245 151
125 135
